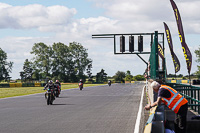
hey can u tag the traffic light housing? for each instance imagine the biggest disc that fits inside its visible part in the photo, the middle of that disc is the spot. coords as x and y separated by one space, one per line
122 44
140 44
131 43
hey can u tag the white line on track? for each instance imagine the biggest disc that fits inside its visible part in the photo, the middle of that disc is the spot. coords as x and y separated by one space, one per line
137 124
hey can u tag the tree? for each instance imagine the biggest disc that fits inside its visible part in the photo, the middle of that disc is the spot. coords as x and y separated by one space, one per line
119 76
138 78
42 59
197 52
5 66
61 62
88 71
36 74
27 72
128 76
101 76
80 58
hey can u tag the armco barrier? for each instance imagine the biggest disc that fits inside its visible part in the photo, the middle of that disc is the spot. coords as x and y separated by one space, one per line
4 85
37 84
15 84
155 123
173 81
28 85
22 85
184 81
148 125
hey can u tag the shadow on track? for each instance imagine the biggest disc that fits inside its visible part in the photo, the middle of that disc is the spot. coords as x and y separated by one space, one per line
62 104
62 97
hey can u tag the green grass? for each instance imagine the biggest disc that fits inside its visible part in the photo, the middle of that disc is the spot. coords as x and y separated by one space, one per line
20 91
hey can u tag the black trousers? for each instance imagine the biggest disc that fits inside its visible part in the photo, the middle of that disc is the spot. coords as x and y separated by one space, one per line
181 119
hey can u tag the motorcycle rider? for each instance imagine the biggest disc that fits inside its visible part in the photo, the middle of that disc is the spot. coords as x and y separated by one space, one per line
109 82
58 83
50 85
80 83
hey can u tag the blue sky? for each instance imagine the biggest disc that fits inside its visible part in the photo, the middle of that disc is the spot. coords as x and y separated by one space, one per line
25 22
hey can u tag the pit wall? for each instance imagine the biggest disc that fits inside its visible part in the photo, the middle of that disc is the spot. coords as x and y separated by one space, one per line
155 118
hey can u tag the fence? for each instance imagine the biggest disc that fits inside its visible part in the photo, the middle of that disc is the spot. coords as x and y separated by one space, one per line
191 93
22 85
178 81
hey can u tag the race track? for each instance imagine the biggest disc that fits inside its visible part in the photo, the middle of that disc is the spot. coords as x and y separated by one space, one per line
100 109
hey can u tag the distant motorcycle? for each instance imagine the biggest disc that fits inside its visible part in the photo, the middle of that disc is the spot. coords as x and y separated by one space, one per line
57 91
49 95
109 83
80 85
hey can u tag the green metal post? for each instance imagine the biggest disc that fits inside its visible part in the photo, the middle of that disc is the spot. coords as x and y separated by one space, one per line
198 102
156 52
154 58
191 96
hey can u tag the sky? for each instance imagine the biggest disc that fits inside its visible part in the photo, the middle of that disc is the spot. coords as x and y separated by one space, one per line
25 22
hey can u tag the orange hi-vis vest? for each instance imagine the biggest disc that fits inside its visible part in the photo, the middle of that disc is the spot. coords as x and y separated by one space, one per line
175 101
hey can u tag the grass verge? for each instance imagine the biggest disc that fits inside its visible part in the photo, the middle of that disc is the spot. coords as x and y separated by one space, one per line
21 91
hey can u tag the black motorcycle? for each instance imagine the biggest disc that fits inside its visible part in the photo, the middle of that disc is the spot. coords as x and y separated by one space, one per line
49 95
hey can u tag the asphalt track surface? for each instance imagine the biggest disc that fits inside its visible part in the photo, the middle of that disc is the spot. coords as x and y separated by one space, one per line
101 109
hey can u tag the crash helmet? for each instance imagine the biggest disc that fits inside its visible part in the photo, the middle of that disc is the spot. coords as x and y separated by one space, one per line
80 79
50 82
57 80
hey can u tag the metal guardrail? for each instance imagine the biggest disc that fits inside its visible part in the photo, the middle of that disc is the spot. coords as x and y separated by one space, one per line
148 126
155 123
191 93
22 85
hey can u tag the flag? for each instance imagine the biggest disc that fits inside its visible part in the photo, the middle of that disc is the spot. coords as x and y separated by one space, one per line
174 57
186 51
160 51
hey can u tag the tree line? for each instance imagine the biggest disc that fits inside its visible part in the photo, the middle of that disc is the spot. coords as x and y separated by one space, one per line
57 62
127 76
119 76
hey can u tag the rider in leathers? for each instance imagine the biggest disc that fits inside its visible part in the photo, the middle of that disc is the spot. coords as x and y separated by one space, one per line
58 83
50 85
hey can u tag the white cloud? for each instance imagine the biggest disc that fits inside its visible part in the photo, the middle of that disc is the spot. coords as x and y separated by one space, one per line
145 13
34 16
127 16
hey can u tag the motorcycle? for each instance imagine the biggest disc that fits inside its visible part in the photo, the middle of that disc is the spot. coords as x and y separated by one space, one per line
80 86
109 83
49 95
57 91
